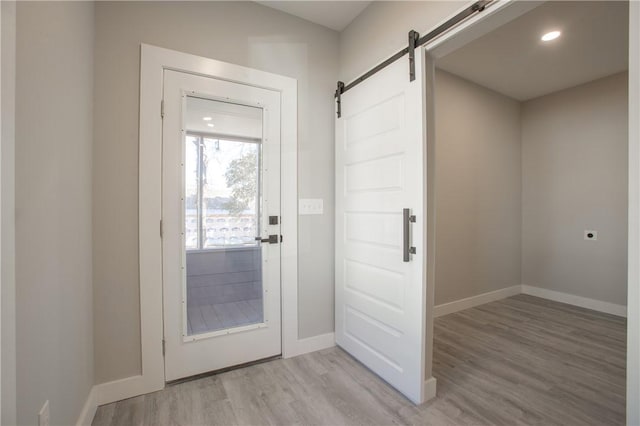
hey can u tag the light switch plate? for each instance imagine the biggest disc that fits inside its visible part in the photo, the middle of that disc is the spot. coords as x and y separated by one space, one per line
310 206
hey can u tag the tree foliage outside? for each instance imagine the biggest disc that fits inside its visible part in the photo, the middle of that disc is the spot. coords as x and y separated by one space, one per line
242 178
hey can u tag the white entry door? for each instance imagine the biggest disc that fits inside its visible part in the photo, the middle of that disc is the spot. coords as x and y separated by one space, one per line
380 172
220 224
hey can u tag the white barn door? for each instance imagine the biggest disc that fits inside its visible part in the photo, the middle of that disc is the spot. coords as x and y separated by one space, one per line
380 172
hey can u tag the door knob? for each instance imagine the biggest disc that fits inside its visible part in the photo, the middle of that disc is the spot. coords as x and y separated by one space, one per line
273 239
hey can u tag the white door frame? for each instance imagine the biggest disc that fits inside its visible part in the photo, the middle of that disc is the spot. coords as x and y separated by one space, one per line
154 60
493 17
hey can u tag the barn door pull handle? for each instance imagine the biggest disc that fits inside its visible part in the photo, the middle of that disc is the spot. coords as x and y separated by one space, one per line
407 249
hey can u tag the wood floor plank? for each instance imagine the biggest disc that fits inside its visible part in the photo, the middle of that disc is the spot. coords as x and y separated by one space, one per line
129 412
104 414
517 361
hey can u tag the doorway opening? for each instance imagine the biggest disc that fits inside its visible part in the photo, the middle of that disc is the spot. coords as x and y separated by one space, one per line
531 121
171 348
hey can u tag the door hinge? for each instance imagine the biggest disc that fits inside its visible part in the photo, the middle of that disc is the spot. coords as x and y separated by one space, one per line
281 238
162 108
160 228
164 347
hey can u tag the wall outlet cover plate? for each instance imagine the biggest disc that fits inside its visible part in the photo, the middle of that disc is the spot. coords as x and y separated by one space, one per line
590 235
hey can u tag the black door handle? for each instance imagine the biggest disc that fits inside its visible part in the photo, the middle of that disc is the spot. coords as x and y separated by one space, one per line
273 239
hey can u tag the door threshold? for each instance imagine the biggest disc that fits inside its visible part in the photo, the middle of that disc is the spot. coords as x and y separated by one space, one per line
223 370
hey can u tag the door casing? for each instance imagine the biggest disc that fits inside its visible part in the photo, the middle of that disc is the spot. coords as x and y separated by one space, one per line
154 60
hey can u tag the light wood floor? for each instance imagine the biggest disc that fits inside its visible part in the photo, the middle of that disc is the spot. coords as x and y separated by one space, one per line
521 360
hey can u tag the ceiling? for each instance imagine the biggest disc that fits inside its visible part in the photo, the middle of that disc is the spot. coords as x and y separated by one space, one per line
512 59
335 15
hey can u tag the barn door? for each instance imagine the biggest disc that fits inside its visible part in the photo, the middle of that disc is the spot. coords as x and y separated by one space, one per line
380 217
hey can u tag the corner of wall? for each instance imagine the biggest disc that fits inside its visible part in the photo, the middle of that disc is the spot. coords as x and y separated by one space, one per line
7 213
633 289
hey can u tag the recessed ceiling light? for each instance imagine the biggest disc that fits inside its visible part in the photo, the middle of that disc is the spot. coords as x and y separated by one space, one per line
210 125
552 35
206 118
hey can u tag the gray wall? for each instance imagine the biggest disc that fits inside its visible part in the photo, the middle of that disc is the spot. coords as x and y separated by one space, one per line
381 30
478 188
54 303
8 288
243 33
633 319
516 190
575 178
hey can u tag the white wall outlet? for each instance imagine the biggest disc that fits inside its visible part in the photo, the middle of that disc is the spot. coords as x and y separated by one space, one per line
590 235
43 417
310 206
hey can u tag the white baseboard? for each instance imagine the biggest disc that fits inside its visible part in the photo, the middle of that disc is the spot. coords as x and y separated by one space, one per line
312 344
570 299
117 390
130 387
88 409
430 388
480 299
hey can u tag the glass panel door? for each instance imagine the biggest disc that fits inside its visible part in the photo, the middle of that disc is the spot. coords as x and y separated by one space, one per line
220 188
